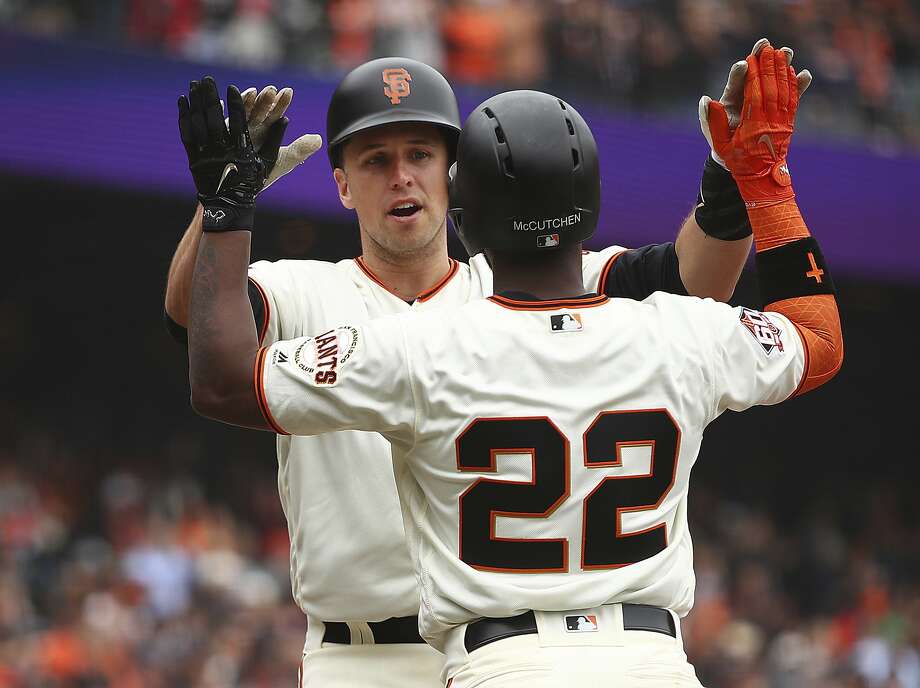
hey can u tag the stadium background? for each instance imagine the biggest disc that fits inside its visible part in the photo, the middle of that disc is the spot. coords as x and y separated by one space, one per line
143 546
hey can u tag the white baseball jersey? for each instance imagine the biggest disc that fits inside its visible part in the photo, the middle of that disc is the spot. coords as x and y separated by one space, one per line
349 560
542 449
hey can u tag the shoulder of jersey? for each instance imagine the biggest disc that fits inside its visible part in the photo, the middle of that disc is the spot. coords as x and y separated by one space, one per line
607 251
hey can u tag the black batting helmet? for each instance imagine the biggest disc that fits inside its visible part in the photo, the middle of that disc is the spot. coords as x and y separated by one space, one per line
526 175
388 90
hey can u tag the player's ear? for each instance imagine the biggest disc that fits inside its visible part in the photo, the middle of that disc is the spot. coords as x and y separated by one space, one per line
341 183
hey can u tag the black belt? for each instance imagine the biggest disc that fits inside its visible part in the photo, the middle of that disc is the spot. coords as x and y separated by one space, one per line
399 629
636 617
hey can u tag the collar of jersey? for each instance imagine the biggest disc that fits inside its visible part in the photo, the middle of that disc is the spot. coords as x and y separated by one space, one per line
423 296
522 301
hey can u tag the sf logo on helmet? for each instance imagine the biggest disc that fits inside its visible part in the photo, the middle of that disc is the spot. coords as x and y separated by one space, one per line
397 84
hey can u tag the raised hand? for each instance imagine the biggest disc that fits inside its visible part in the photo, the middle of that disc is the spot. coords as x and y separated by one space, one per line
263 110
750 127
227 170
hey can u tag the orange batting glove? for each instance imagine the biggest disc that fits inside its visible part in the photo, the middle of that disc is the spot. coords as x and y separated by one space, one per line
755 152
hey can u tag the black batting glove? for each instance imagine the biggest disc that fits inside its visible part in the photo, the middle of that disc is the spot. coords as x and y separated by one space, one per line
227 171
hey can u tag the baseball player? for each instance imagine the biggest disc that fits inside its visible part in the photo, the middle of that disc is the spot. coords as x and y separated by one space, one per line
544 502
391 131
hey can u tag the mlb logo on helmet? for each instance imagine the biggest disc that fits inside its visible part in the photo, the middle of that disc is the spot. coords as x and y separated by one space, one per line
582 623
547 241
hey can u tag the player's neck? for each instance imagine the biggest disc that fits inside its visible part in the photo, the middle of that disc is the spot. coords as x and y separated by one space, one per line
408 275
550 275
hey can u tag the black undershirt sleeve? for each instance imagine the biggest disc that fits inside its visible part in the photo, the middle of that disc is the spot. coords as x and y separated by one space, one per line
180 334
639 272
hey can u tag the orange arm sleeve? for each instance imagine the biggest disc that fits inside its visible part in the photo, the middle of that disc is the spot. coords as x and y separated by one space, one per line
818 322
816 317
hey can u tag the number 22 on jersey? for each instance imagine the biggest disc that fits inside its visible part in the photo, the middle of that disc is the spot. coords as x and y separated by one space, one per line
604 544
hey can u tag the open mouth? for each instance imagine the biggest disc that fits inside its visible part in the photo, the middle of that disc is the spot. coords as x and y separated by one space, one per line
405 210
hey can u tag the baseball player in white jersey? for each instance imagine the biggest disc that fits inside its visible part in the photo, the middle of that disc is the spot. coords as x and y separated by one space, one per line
350 569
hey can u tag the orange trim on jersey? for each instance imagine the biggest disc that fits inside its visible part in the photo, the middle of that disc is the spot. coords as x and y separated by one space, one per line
421 296
818 323
590 301
602 280
259 385
454 269
266 310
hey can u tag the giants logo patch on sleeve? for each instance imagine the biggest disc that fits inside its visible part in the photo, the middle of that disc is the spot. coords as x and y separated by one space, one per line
322 357
764 330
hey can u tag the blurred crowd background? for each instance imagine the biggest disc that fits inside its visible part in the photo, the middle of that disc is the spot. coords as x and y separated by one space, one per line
630 54
139 577
141 546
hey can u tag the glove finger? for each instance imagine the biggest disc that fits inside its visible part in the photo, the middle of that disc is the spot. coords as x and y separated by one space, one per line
239 132
262 106
803 81
277 107
249 99
269 150
768 82
789 53
717 122
703 110
795 94
282 103
759 45
753 100
186 132
733 95
199 128
293 155
305 146
213 112
782 81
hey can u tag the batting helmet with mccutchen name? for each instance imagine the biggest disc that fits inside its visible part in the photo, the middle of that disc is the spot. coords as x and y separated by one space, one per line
386 91
526 176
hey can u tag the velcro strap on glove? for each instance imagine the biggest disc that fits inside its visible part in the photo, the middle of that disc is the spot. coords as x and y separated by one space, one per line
720 210
221 215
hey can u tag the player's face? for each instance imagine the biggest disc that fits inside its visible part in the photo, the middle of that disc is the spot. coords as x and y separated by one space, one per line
395 178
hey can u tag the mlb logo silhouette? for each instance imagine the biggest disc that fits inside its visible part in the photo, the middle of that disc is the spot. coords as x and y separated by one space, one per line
566 322
547 240
581 624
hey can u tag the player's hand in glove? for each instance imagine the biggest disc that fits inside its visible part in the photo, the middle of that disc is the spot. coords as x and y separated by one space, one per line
263 110
754 146
227 170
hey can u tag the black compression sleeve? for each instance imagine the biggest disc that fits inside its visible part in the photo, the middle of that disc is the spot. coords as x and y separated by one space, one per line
792 270
638 273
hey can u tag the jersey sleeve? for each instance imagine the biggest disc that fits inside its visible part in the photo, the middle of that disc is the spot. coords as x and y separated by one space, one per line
347 378
758 359
634 273
269 285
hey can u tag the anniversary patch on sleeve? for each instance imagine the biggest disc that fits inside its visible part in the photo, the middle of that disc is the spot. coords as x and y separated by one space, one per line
764 331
